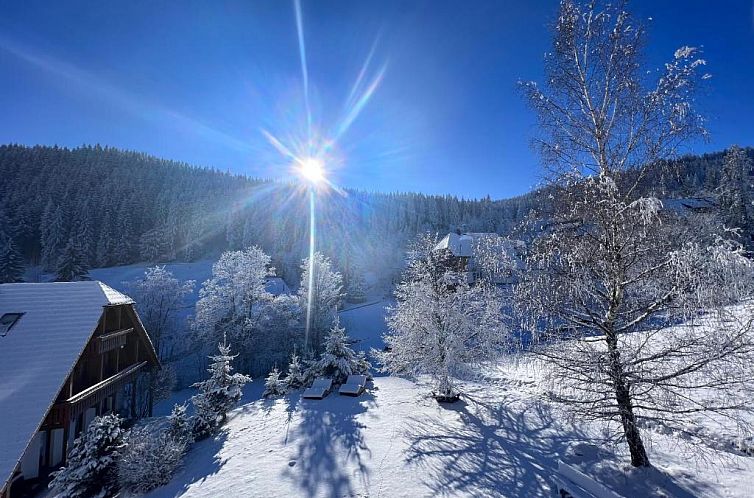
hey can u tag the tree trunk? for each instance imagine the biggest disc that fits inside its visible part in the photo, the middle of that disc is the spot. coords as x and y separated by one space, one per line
631 432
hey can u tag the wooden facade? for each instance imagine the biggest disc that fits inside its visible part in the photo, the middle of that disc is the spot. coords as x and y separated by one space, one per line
102 381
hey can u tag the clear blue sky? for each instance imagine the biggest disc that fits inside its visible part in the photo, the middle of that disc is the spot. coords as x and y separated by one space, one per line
200 81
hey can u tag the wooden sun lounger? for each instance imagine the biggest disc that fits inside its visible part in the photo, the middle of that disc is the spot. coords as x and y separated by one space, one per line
320 388
354 385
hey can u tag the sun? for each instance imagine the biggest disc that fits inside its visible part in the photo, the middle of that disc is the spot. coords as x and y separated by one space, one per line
312 169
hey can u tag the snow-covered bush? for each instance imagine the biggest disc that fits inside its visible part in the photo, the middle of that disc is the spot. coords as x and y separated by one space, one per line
273 384
150 458
92 462
296 376
338 360
218 394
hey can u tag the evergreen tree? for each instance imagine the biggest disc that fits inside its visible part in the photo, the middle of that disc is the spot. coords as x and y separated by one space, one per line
296 377
91 465
357 287
72 265
734 192
338 360
53 236
273 384
179 424
218 394
11 263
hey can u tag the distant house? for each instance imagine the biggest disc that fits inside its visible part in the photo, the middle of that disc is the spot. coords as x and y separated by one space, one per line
69 351
276 286
687 205
463 254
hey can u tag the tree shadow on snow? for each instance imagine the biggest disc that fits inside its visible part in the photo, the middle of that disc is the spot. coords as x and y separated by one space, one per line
330 443
494 451
511 450
201 462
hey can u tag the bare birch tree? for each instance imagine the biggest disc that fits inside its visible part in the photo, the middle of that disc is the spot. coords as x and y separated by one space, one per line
609 271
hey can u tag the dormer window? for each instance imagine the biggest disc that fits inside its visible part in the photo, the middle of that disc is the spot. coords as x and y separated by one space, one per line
7 321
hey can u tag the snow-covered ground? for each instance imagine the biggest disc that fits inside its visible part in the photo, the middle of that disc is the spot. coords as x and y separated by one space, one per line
502 439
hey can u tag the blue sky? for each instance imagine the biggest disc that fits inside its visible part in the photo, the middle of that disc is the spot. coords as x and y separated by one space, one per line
202 82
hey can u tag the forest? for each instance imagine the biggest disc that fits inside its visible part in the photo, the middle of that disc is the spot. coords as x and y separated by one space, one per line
105 207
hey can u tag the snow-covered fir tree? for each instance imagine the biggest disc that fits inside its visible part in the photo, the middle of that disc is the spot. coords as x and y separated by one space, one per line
11 262
320 293
440 324
356 292
273 384
338 360
296 376
91 466
219 393
53 237
180 424
72 265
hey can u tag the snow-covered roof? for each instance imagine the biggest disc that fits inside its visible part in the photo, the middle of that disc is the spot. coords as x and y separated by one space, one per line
461 245
683 205
39 351
276 286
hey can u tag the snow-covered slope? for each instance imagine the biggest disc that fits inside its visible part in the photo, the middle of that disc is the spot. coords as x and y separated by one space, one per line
502 439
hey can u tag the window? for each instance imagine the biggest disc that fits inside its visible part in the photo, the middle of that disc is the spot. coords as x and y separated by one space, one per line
7 321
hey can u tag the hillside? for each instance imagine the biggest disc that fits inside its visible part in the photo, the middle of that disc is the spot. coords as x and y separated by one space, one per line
504 437
124 207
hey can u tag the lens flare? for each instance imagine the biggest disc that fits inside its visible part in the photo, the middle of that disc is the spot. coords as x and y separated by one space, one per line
314 153
312 169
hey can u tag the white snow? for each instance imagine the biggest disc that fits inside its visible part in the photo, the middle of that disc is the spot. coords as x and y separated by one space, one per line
501 439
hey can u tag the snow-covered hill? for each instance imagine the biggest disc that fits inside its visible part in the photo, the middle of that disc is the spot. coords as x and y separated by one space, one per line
502 439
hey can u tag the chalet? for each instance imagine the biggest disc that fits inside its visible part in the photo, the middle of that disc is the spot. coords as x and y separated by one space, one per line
462 254
69 351
690 205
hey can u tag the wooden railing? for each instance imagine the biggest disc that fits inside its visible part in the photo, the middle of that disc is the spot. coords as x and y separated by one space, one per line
112 340
90 396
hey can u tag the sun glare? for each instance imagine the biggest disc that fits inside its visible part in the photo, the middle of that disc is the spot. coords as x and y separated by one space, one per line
312 169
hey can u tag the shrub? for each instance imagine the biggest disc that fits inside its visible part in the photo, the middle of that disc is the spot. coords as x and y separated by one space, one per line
150 459
91 468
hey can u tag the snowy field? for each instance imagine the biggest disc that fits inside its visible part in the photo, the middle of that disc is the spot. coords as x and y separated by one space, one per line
502 439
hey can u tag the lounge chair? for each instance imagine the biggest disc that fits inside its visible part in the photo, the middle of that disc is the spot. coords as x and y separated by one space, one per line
320 388
354 385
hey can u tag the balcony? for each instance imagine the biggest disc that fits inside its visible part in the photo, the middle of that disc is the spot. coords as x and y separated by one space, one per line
78 403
